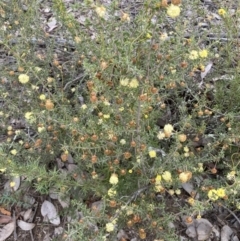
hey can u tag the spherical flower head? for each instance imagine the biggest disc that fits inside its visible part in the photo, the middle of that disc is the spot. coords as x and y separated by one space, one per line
191 201
152 154
134 83
112 192
167 176
114 179
173 11
13 152
110 227
42 97
124 82
221 12
41 129
12 184
185 176
212 194
168 128
101 11
160 135
125 17
23 78
231 175
148 36
238 205
193 55
158 179
84 107
158 188
106 116
123 142
203 53
178 191
221 192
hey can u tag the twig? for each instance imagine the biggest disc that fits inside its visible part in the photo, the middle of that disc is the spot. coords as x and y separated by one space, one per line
231 213
77 78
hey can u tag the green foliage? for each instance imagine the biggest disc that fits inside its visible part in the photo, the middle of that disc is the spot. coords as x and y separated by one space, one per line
120 97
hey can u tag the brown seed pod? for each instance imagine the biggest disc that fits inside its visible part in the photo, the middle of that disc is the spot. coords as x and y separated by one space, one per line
49 105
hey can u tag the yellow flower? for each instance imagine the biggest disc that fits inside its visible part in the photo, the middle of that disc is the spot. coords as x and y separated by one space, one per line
28 115
159 188
152 154
130 171
2 169
123 142
191 201
41 129
221 192
178 191
106 116
125 17
193 55
12 184
42 97
173 11
163 36
23 78
203 53
84 106
133 83
231 175
112 192
148 36
238 206
124 82
167 176
200 167
13 152
171 192
185 176
158 179
212 194
113 179
168 128
160 135
109 227
186 149
101 11
221 12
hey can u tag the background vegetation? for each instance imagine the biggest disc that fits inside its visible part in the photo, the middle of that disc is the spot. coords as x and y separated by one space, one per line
128 112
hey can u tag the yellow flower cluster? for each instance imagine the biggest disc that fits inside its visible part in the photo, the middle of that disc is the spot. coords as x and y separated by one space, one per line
196 54
133 83
152 153
23 78
214 194
173 11
221 12
101 11
114 179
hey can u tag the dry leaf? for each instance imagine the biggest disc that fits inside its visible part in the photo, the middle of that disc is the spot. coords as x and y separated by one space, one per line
6 231
5 219
25 226
27 214
50 212
52 24
206 71
4 211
